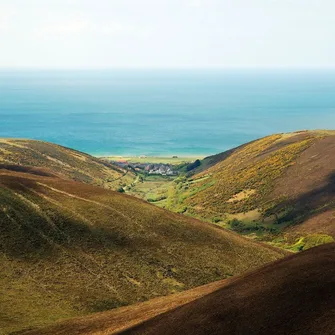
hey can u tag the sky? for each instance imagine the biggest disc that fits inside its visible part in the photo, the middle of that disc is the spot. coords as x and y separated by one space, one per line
98 34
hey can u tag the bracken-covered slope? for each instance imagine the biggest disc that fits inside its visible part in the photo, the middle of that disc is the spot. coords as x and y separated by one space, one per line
68 249
277 182
63 161
293 296
122 318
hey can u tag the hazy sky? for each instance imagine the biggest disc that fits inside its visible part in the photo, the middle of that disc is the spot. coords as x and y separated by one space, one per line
167 33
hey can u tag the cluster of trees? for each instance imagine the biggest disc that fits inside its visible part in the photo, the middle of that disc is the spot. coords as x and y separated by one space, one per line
193 165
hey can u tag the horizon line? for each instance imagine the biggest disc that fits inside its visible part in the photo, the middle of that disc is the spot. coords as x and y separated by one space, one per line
28 68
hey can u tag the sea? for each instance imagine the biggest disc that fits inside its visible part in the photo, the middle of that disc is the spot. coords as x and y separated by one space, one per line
162 112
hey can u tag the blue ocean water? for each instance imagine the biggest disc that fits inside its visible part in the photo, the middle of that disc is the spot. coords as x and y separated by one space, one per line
184 112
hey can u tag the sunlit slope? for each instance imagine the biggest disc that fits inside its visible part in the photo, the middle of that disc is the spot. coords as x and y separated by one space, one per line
68 249
293 296
122 318
272 183
63 161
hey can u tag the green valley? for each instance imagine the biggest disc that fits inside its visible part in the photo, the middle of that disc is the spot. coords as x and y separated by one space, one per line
278 189
71 246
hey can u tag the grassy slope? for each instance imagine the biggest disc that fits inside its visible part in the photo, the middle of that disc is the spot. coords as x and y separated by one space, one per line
275 182
68 249
124 317
64 161
291 296
152 188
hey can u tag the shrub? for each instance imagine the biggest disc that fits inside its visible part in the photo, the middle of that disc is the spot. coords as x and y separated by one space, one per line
311 241
236 225
159 198
315 240
193 165
182 210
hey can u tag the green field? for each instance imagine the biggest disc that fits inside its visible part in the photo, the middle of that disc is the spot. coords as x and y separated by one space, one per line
153 188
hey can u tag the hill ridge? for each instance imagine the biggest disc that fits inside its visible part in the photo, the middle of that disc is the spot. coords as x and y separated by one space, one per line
65 162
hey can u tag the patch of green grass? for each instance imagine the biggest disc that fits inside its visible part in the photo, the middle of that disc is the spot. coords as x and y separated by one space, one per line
311 241
153 188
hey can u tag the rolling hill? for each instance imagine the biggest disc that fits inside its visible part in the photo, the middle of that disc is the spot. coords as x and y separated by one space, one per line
283 182
63 161
294 295
68 249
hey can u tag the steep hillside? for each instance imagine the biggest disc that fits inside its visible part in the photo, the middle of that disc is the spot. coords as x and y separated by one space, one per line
280 182
63 161
68 249
291 296
122 318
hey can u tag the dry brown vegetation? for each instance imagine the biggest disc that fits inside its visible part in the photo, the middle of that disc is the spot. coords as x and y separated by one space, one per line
69 249
291 296
122 318
63 161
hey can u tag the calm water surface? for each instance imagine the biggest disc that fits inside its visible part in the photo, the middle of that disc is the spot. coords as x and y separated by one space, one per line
162 112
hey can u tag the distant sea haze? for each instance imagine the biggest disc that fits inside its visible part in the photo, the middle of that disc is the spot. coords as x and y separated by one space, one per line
166 112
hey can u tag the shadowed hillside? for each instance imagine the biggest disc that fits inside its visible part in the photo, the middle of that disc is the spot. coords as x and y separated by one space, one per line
63 161
122 318
291 296
68 249
282 182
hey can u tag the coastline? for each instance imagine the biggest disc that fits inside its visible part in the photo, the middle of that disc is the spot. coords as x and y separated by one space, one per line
166 159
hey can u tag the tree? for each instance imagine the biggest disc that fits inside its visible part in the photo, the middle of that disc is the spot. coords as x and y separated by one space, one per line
193 165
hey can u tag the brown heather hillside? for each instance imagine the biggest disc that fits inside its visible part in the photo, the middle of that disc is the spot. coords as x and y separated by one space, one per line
291 296
63 161
119 319
283 182
68 249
